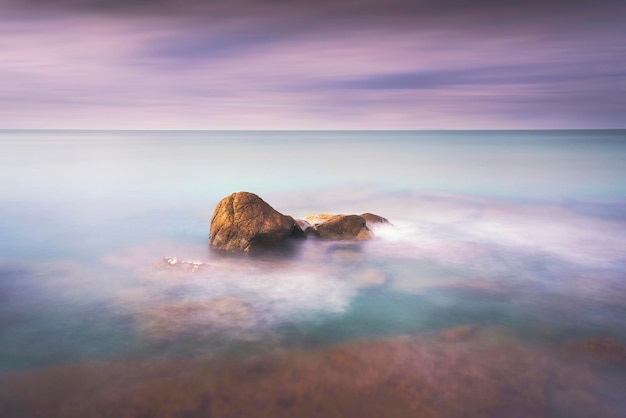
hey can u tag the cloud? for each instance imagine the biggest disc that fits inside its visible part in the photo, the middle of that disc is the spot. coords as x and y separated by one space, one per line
494 75
411 8
346 64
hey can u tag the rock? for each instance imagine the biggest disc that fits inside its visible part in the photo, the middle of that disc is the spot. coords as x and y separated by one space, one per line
184 265
606 349
369 277
304 226
196 318
318 219
343 227
243 221
372 219
459 333
346 254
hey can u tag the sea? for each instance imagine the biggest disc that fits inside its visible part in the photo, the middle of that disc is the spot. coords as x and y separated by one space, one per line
498 289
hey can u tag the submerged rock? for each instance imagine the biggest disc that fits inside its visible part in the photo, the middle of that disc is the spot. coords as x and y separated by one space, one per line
459 333
606 349
369 277
176 319
243 221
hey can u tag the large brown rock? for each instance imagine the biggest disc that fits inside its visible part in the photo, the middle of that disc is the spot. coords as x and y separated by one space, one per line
243 222
343 227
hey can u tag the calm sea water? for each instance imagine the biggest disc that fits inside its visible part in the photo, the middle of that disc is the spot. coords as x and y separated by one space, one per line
517 237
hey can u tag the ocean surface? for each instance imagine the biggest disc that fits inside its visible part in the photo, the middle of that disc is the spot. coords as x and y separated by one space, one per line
498 290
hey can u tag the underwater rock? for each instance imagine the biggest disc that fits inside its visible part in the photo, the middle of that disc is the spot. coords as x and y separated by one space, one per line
369 277
459 333
606 349
346 254
243 221
174 319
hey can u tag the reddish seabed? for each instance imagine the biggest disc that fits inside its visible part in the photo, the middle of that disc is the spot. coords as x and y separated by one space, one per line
461 372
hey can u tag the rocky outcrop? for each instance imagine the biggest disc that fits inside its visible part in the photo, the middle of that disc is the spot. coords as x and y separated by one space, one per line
243 221
343 227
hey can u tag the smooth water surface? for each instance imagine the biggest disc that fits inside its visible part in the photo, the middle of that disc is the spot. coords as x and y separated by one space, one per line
506 245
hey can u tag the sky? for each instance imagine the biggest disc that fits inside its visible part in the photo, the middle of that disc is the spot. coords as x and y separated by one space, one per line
304 64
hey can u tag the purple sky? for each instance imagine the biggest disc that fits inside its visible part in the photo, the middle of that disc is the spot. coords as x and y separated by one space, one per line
303 64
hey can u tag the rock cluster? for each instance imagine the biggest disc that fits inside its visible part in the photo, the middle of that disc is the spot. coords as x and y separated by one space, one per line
243 222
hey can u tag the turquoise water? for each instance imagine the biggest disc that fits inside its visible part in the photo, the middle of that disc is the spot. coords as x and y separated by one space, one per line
517 230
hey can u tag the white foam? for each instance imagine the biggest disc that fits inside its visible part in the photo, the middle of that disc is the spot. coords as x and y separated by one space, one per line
462 231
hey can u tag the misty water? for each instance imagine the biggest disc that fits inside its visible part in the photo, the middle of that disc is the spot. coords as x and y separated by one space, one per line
507 252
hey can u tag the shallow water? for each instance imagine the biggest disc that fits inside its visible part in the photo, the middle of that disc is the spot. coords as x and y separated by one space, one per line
505 246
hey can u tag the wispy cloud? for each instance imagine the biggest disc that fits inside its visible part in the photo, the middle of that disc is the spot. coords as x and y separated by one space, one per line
270 64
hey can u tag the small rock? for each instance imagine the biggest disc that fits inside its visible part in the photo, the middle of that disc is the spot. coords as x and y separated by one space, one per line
191 266
343 227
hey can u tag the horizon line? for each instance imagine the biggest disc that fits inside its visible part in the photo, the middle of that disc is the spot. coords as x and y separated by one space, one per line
302 130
